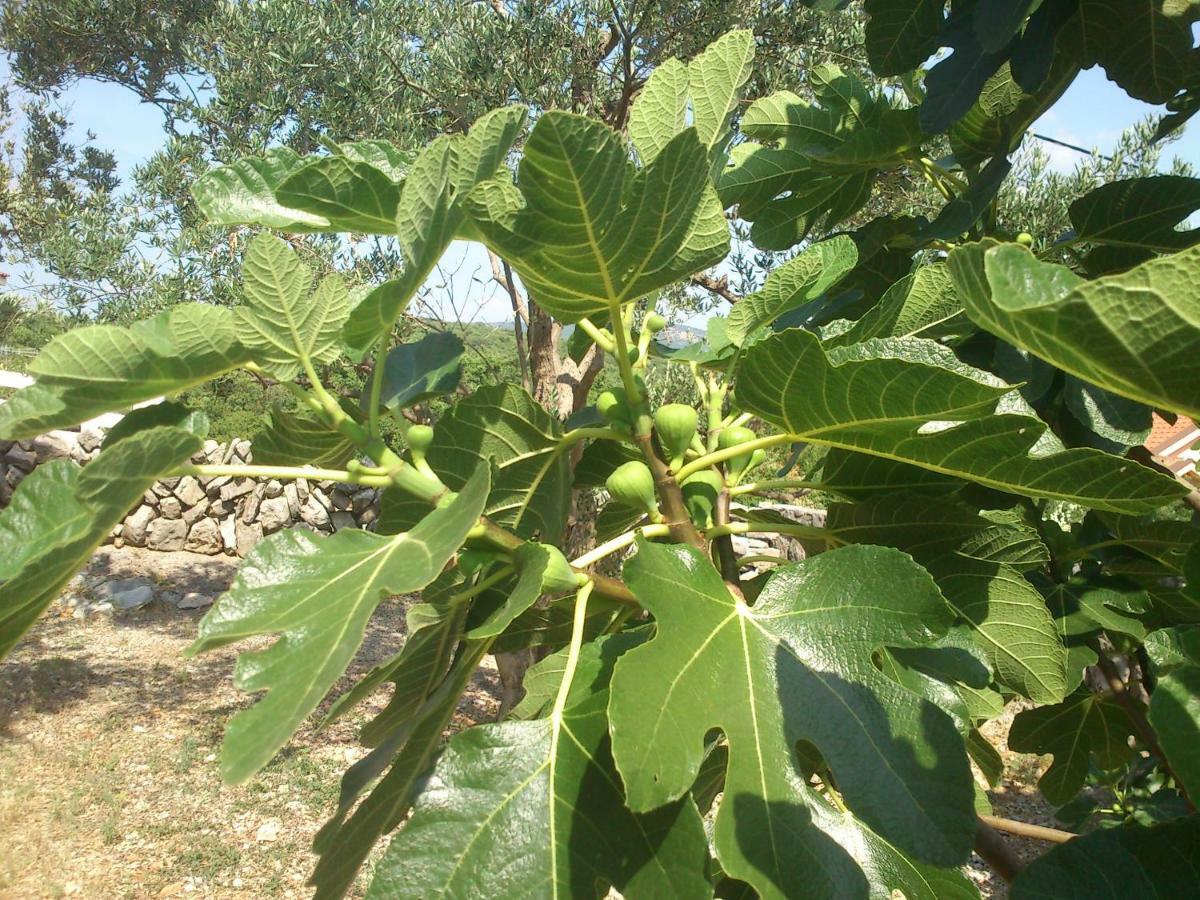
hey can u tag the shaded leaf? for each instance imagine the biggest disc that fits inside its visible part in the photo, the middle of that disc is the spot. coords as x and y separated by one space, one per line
531 490
1083 726
422 370
1136 334
1161 861
1175 715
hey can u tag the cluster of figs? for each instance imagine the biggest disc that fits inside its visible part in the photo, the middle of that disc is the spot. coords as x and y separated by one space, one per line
676 431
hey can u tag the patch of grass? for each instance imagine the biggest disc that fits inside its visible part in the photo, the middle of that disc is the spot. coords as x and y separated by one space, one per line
207 856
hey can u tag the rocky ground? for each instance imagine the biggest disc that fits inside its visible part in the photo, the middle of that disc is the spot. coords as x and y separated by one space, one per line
109 739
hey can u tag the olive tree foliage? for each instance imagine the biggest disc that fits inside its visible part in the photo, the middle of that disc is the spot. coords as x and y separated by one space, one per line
237 78
697 727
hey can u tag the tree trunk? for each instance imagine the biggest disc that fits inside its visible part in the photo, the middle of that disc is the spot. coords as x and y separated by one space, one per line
560 385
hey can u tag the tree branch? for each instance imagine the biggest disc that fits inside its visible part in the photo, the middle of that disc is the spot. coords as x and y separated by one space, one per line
1027 830
1137 718
993 850
718 286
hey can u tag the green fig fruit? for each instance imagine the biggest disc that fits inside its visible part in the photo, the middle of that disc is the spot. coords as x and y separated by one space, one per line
733 437
675 425
654 323
559 577
700 496
611 405
632 484
1025 239
418 438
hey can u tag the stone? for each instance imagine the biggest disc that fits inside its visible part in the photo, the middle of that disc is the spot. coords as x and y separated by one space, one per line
235 489
90 439
126 593
161 490
362 501
211 449
166 534
136 525
169 507
150 498
195 600
53 445
247 536
273 488
80 455
323 499
171 481
6 490
293 499
250 507
218 509
194 513
14 476
314 513
189 491
368 516
20 458
204 537
302 489
171 598
94 609
228 535
343 519
242 449
340 499
273 514
213 486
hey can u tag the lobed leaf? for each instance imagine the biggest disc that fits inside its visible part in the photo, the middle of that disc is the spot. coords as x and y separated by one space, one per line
104 368
774 674
878 398
1136 334
318 593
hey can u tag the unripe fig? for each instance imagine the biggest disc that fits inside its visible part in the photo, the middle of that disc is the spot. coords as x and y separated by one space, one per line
559 577
418 438
675 425
633 485
611 405
1025 238
733 437
655 323
700 496
757 458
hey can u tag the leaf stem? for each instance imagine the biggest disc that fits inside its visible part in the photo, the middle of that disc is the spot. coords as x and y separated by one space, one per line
775 484
619 543
717 456
793 529
479 587
599 336
376 388
564 688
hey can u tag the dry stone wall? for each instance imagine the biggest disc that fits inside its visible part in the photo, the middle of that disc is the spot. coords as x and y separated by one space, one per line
204 515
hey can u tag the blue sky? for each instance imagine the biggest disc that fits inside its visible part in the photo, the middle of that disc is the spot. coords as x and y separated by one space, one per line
1092 114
